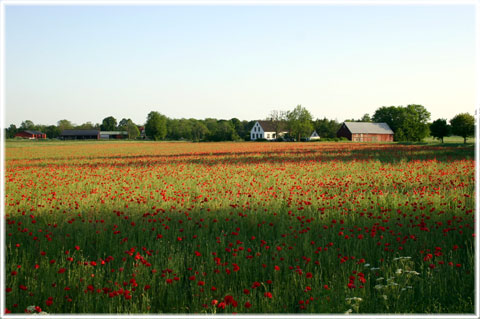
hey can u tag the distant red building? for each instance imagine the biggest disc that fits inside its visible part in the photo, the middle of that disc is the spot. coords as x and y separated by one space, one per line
31 135
366 132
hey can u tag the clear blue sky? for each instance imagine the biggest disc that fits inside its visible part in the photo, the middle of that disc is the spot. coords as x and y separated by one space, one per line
84 63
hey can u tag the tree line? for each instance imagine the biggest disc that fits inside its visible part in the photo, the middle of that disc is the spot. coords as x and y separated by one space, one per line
409 123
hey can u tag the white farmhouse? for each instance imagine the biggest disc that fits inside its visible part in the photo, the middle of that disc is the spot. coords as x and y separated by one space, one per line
264 129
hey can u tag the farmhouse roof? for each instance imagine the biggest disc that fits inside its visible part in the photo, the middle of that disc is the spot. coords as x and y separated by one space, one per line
267 126
79 132
33 132
368 128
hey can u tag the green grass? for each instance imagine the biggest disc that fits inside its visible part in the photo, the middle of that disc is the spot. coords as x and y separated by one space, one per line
450 139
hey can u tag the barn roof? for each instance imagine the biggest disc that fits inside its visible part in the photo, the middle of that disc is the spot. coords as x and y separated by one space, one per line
368 128
33 132
80 132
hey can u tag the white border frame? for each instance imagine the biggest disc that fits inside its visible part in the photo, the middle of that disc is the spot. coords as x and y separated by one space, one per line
4 3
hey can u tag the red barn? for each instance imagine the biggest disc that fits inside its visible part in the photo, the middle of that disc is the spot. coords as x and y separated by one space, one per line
366 132
31 135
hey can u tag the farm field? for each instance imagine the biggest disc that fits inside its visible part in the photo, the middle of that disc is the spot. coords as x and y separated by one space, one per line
147 227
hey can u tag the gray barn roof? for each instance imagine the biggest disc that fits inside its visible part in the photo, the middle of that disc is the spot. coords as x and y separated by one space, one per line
368 128
80 132
33 132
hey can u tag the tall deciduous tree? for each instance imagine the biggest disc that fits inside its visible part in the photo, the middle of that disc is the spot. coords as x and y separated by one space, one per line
391 115
11 131
439 129
156 126
122 125
27 125
300 122
279 121
326 128
64 125
109 124
199 130
463 125
86 126
132 130
409 123
365 118
52 131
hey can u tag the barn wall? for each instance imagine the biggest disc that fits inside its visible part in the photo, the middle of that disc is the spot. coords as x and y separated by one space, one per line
24 134
372 137
344 132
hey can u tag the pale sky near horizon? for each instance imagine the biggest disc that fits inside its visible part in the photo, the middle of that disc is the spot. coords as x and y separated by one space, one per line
84 63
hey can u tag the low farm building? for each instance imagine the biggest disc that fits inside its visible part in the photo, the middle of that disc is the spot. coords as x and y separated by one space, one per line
80 135
366 132
106 135
314 136
31 135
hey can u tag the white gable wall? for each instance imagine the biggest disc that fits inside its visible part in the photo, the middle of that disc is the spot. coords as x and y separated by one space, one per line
258 132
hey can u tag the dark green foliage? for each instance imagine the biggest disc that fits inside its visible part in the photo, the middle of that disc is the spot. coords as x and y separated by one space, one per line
299 123
463 125
409 123
156 126
439 129
222 130
86 126
133 131
11 131
109 124
64 125
52 131
326 128
27 125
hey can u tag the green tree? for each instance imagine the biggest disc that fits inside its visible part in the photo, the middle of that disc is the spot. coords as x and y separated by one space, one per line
86 126
11 131
199 130
463 125
326 128
122 125
365 118
391 115
156 126
439 129
64 125
415 122
300 122
133 131
27 125
279 121
52 131
109 124
173 129
239 128
409 123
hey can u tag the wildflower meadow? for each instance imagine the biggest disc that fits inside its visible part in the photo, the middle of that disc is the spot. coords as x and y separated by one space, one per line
177 227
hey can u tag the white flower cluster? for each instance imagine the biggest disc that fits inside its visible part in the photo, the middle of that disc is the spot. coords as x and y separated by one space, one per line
32 309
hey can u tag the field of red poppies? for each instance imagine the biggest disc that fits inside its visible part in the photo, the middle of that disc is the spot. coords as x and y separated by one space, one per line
146 227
